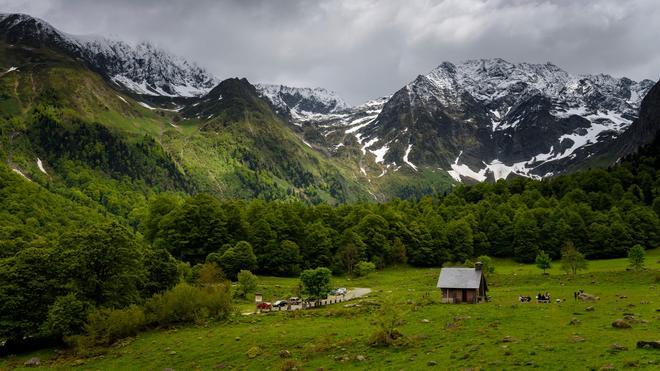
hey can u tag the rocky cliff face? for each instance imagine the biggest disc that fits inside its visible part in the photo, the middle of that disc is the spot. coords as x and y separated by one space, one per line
643 130
299 104
491 119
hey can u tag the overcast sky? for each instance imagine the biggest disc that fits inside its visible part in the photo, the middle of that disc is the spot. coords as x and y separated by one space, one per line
366 49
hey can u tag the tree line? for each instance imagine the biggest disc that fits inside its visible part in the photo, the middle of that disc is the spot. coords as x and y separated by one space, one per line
602 212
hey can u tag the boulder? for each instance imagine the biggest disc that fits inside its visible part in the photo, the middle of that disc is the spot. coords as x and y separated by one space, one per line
431 363
589 309
621 323
618 347
360 358
507 339
284 353
577 339
253 352
32 362
648 344
575 321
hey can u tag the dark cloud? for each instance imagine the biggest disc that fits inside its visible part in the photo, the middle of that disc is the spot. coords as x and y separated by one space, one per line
366 48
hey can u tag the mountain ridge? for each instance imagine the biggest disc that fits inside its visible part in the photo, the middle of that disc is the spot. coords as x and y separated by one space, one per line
489 118
481 119
142 69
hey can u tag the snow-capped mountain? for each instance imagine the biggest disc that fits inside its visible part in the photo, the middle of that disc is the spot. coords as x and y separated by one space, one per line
301 104
142 68
491 118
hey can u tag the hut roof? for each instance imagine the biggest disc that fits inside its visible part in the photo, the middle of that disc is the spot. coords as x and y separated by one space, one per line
459 278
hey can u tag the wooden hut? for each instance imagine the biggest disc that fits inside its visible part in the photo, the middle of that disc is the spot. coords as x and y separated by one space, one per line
462 285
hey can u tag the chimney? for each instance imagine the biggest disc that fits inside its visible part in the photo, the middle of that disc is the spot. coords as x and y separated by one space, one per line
478 266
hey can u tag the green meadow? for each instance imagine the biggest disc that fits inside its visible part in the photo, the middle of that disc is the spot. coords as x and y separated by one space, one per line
500 334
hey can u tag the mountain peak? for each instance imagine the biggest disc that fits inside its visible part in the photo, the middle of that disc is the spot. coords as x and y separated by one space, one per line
300 103
143 69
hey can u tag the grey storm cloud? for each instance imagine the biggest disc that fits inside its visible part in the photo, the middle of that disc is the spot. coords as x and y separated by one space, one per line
366 48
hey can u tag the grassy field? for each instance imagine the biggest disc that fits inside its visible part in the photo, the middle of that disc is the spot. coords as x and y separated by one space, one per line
501 334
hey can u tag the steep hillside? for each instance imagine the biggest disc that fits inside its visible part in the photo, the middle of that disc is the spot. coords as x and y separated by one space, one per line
643 130
58 113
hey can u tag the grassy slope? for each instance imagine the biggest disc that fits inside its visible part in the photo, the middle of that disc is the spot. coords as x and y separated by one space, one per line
542 335
210 158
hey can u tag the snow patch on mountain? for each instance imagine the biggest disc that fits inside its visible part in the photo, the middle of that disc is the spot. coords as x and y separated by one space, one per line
144 68
302 103
21 174
40 165
122 99
380 153
146 106
405 157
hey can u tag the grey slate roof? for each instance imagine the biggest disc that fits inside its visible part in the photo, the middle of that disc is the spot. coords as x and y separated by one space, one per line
459 278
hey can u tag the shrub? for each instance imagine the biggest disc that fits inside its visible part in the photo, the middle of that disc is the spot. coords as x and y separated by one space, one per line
387 321
183 304
66 316
105 326
543 261
210 274
362 269
571 259
487 265
186 303
636 257
247 282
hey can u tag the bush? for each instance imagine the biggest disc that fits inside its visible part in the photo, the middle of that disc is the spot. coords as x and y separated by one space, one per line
487 265
183 304
247 282
210 274
105 326
186 303
362 269
66 316
387 321
636 257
